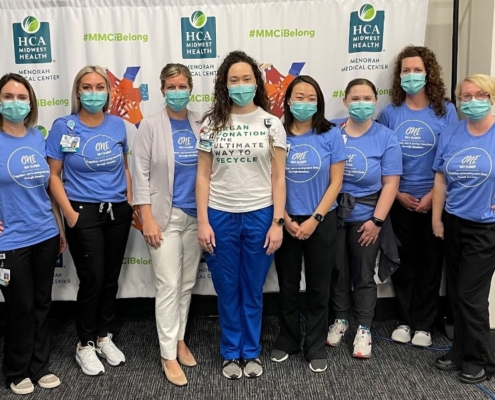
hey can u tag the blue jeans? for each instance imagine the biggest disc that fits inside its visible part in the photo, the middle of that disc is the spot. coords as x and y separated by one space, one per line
239 267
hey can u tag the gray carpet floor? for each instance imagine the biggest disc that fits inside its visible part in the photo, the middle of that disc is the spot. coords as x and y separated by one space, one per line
394 372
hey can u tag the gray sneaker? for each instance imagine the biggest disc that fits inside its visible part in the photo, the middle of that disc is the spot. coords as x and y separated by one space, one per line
278 355
253 368
318 365
231 369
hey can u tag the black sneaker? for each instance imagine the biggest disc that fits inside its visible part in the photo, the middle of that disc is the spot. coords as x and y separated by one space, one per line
231 369
253 368
318 365
278 355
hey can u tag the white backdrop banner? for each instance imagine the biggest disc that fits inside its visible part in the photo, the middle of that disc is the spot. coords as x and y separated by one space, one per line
334 41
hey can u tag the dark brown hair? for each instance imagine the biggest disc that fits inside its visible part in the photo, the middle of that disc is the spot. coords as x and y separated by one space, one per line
219 114
434 88
319 122
360 81
32 118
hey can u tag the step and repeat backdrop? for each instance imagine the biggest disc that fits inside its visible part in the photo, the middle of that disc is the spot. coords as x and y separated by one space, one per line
334 41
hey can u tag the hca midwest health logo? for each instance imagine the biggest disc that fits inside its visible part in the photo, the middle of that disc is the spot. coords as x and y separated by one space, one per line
366 30
32 41
199 36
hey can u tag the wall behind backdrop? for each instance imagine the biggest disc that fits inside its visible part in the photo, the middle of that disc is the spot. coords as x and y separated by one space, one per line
334 41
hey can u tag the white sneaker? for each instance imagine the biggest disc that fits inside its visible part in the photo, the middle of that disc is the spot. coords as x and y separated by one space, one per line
401 334
362 343
336 332
110 352
422 339
88 361
23 387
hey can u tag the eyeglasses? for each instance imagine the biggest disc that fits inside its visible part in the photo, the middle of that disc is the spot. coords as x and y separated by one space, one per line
477 96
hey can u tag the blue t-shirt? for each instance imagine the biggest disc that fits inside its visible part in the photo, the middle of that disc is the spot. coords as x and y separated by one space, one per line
25 207
418 132
307 171
186 160
374 154
467 163
96 172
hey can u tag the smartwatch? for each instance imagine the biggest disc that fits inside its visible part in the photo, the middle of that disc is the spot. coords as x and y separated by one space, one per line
318 217
377 221
279 221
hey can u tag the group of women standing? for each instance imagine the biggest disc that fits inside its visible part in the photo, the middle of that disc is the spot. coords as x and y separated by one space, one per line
246 189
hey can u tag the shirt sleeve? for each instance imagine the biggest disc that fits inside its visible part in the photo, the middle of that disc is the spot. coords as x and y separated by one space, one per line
451 117
125 144
279 134
384 117
337 146
141 164
53 148
392 156
438 162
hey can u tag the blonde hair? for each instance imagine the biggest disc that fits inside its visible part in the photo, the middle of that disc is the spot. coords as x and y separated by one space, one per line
88 69
171 70
32 118
484 82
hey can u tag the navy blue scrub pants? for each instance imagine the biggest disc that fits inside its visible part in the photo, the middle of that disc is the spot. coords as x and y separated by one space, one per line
470 259
239 267
28 298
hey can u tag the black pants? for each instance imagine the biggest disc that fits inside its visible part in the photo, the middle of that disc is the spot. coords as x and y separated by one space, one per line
97 245
470 259
28 298
355 266
417 281
319 257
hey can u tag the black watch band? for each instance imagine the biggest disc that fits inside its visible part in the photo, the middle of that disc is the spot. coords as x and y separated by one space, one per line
318 217
377 221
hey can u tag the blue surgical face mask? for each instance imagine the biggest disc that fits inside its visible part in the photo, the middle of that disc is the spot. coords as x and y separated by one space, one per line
475 109
303 110
413 82
14 110
93 101
242 94
361 110
177 99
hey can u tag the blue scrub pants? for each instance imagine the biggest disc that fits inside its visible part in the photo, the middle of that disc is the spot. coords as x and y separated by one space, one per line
239 267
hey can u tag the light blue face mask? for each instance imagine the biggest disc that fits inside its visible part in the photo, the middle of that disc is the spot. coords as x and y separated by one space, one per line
475 109
93 101
177 99
303 110
413 82
361 110
15 110
242 94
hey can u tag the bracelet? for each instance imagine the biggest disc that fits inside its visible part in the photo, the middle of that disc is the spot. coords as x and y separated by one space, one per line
377 221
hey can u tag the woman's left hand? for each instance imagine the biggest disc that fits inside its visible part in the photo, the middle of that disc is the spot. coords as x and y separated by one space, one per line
63 242
306 229
273 239
370 233
424 204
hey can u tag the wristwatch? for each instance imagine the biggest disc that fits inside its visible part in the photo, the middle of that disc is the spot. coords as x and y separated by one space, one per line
318 217
377 221
279 221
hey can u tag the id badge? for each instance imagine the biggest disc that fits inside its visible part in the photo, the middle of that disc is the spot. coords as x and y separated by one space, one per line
4 276
70 144
204 145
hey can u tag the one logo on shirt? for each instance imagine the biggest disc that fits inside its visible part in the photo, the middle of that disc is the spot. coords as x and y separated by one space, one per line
102 153
303 163
28 167
185 152
416 138
470 167
356 165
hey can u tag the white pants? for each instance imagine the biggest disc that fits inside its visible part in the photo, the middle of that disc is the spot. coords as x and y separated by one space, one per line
175 264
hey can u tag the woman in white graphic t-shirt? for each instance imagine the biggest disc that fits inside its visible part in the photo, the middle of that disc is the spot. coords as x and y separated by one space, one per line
240 195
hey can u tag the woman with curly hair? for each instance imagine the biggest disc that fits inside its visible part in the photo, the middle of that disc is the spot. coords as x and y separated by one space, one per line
240 196
418 113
